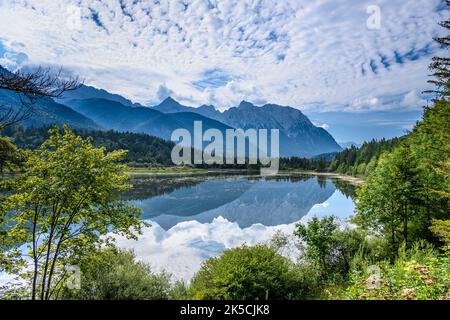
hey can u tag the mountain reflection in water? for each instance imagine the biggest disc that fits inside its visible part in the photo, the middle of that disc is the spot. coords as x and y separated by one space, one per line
246 200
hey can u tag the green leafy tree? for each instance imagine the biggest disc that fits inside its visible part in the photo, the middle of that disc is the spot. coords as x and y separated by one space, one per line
329 248
65 201
410 185
11 158
114 274
390 200
441 228
318 236
430 145
377 206
246 273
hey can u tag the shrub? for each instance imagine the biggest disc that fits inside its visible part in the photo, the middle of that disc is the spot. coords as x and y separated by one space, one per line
248 273
113 274
331 249
419 273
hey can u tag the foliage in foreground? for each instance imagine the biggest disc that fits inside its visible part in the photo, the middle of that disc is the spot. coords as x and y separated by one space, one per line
248 273
336 263
330 248
409 187
417 274
64 202
114 274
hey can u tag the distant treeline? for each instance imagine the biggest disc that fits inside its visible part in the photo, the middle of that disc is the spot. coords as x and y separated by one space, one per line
361 161
143 149
353 161
149 151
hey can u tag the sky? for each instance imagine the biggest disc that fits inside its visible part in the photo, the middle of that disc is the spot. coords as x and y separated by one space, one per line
357 127
363 58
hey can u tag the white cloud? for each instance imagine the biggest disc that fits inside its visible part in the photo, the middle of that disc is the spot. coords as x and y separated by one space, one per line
364 103
322 125
299 53
413 100
163 92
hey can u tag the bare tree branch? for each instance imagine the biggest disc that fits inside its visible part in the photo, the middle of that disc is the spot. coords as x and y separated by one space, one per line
31 86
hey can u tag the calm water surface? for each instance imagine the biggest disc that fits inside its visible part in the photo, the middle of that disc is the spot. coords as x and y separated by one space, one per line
195 218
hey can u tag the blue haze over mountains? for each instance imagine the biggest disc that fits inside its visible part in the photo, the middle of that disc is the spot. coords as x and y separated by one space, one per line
298 136
47 112
96 109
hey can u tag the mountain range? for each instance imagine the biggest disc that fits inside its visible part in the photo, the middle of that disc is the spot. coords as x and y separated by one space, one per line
114 115
92 108
298 135
46 112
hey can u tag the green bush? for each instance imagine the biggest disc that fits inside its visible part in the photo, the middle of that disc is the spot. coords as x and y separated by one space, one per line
249 273
419 273
113 274
331 249
179 291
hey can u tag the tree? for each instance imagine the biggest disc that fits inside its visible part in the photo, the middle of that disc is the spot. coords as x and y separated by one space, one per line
440 66
377 206
64 203
390 201
321 164
246 273
318 237
410 185
31 86
328 248
442 230
10 157
114 274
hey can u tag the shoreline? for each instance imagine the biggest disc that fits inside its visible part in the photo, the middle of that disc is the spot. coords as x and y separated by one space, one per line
350 179
173 171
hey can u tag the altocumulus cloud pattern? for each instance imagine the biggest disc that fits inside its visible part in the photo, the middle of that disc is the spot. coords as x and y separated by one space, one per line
312 54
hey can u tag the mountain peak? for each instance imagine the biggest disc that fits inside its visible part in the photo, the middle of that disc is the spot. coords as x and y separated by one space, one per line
207 107
170 105
169 99
84 92
245 104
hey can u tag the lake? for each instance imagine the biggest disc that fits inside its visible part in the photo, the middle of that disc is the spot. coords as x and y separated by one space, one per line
194 218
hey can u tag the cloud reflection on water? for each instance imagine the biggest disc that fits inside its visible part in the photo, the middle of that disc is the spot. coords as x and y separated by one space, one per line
181 243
